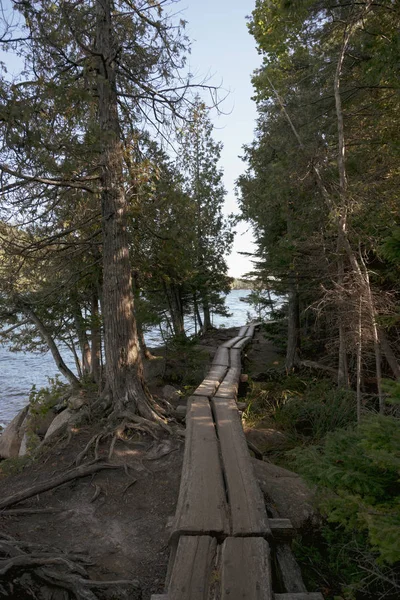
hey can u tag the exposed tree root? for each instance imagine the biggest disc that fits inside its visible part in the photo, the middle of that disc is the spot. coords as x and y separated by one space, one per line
44 565
82 471
32 511
128 423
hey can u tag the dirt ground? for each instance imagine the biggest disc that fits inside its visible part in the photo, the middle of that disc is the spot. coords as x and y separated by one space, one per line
116 518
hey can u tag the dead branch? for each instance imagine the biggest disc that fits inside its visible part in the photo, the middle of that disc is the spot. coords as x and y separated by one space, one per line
50 484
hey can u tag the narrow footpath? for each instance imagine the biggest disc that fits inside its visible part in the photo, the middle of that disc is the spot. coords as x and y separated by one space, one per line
223 543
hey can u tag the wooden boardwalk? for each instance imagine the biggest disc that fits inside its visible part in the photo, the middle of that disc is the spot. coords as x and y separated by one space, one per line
221 537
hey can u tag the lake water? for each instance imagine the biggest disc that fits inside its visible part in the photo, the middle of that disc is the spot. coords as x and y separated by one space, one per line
20 370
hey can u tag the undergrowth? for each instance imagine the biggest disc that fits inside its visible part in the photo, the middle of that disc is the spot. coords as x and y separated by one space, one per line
355 469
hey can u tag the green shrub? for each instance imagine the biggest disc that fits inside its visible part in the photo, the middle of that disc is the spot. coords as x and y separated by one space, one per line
357 474
320 409
43 399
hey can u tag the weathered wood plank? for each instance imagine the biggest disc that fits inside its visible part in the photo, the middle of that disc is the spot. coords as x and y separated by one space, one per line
211 382
246 570
243 342
232 342
300 596
282 529
248 514
250 331
235 357
201 507
290 570
243 330
192 573
229 386
221 357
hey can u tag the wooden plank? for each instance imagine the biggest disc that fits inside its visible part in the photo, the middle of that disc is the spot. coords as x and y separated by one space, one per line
282 529
243 330
232 342
248 514
191 576
229 386
240 345
300 596
235 358
246 570
250 331
211 382
201 507
221 357
290 570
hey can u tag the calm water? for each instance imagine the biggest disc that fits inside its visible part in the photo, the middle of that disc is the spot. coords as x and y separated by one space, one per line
20 370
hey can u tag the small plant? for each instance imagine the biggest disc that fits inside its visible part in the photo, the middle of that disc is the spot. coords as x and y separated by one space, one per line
357 473
320 409
43 399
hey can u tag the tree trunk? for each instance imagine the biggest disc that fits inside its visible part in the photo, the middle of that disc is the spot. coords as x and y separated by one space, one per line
389 354
124 369
175 309
206 313
292 351
142 342
47 338
197 315
95 334
359 359
82 336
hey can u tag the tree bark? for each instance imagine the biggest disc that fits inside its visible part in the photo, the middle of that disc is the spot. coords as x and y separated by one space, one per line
389 354
95 334
197 315
47 338
292 351
82 336
206 313
124 369
175 309
142 342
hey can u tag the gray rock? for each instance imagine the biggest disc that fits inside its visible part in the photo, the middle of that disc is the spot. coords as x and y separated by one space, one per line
287 494
76 402
59 423
10 440
265 439
23 449
171 394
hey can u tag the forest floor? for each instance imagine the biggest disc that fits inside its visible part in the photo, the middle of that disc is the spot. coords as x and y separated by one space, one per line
117 518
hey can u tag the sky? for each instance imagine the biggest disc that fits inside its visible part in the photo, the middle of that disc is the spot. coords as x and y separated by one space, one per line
224 52
223 48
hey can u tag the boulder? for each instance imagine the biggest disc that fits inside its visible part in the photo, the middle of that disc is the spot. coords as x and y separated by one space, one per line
10 440
287 494
171 394
23 449
265 439
59 423
75 402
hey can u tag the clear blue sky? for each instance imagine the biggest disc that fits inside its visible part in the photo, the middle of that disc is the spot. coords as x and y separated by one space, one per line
223 47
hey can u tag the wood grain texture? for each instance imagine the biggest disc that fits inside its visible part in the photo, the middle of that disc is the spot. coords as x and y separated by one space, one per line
242 343
201 507
192 574
221 357
248 514
235 357
231 342
246 570
210 384
230 384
